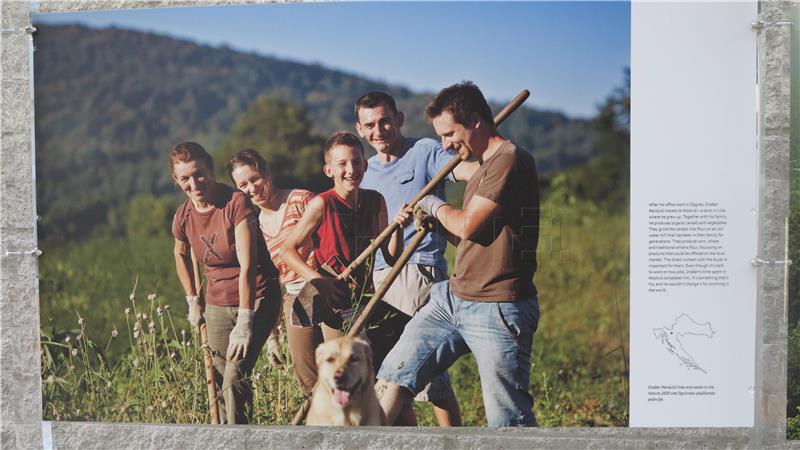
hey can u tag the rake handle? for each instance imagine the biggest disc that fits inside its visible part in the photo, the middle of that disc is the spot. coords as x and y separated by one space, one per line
211 385
392 227
411 248
417 239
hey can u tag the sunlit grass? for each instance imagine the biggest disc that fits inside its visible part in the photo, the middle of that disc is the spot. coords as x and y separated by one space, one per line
133 357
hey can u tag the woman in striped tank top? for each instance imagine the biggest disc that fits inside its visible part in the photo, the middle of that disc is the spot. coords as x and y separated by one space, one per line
281 209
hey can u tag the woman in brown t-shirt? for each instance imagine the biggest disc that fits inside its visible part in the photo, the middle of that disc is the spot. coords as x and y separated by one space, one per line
217 227
280 210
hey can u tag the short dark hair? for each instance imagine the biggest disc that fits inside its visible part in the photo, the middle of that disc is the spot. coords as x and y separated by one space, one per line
341 138
373 100
460 100
249 157
190 151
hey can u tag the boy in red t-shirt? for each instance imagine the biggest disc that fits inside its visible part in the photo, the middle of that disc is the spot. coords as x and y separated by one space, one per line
342 221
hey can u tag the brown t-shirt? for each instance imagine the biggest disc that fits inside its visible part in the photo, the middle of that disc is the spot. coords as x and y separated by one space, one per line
498 264
211 236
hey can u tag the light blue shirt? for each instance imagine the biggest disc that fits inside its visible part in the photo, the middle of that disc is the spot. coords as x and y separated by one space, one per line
399 181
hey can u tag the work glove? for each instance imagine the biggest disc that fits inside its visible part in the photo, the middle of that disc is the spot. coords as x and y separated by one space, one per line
422 220
430 204
195 313
241 335
320 301
274 350
334 292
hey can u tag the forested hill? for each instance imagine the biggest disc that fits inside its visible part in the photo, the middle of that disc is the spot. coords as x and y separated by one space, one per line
110 103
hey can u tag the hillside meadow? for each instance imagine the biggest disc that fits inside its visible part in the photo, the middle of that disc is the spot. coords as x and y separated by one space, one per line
116 345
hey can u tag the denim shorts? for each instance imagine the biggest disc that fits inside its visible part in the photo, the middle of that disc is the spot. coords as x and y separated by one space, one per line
499 334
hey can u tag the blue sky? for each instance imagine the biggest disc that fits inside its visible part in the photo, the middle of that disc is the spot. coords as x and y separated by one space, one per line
571 55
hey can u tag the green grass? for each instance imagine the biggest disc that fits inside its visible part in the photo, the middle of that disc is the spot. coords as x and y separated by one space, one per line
152 370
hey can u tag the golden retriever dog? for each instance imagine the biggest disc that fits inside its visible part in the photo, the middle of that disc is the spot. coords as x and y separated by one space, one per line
345 391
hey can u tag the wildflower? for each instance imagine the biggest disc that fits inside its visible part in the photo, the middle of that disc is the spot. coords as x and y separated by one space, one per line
127 311
160 311
171 355
152 296
163 404
108 385
81 322
183 333
72 367
166 307
136 325
79 337
66 339
74 352
114 332
51 379
136 362
151 325
135 334
188 343
138 315
131 296
258 376
144 316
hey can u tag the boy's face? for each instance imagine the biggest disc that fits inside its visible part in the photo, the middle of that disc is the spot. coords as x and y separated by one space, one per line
346 166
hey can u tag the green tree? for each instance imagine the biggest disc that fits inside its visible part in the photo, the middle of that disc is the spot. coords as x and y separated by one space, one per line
609 180
148 216
605 179
281 132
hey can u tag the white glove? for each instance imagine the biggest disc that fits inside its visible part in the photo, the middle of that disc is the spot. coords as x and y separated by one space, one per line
422 220
274 351
241 335
430 204
195 314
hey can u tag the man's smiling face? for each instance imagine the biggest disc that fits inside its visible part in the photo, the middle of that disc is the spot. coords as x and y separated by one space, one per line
380 126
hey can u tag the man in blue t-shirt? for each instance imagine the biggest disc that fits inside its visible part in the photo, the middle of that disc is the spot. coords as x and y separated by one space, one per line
401 168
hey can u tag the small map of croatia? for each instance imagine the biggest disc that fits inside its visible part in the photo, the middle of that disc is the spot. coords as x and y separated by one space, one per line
677 338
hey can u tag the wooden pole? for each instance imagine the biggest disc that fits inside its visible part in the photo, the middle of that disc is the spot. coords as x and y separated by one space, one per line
417 239
359 324
211 384
387 232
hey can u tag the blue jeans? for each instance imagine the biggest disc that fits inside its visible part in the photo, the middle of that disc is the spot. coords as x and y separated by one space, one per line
499 334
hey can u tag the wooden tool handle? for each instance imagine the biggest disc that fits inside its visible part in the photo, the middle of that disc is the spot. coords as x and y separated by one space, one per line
211 385
358 325
392 227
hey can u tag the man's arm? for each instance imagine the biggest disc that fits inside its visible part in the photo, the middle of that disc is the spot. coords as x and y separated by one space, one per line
393 247
312 218
467 223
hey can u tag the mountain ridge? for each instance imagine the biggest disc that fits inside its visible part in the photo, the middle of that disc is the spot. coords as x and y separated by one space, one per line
110 102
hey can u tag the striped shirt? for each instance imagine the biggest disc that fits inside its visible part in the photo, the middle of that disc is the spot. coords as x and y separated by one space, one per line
296 204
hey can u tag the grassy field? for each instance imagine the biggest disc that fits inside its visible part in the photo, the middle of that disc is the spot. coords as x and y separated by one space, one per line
117 347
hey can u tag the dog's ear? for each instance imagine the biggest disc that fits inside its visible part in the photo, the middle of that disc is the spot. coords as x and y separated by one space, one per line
318 356
366 349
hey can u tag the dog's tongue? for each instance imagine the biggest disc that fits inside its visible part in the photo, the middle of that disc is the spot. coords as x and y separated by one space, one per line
341 397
